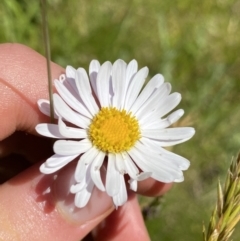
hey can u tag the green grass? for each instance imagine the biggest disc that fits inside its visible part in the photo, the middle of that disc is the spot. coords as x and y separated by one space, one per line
195 45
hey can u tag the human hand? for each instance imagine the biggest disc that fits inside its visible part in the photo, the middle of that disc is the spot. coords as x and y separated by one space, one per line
34 206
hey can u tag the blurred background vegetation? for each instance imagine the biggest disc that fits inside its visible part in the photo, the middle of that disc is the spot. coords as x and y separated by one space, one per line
195 45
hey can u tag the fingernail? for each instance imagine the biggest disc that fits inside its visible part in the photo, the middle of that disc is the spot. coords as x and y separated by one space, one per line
99 204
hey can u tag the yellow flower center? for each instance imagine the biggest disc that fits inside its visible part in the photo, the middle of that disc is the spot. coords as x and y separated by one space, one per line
114 130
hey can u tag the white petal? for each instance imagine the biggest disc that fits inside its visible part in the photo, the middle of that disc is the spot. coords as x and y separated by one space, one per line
153 102
80 171
144 175
85 91
70 99
66 147
94 67
58 160
133 171
175 116
103 83
78 187
156 159
173 142
68 114
153 121
133 184
49 170
83 162
147 92
120 165
83 190
180 161
95 170
132 68
131 168
131 71
82 197
70 85
84 182
55 163
93 71
181 179
169 134
70 72
44 107
62 78
49 130
71 132
113 176
119 83
135 87
154 146
169 104
150 163
121 197
90 155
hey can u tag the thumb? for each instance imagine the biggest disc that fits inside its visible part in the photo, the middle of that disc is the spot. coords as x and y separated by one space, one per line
34 206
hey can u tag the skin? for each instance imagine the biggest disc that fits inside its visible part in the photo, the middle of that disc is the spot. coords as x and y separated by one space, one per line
29 211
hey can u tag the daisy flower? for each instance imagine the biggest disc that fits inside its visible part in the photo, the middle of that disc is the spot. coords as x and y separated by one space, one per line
110 117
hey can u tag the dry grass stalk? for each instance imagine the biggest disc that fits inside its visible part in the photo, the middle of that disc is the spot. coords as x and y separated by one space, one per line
226 214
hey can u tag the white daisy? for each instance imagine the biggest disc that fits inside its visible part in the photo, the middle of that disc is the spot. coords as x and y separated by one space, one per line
113 119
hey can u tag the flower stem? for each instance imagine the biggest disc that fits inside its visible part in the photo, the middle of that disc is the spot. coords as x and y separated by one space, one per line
48 56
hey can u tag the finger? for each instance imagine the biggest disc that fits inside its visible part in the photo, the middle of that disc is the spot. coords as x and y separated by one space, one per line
26 145
153 188
19 151
36 207
126 223
23 80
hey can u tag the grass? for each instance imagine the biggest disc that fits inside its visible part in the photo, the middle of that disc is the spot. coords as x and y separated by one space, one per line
226 212
195 46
